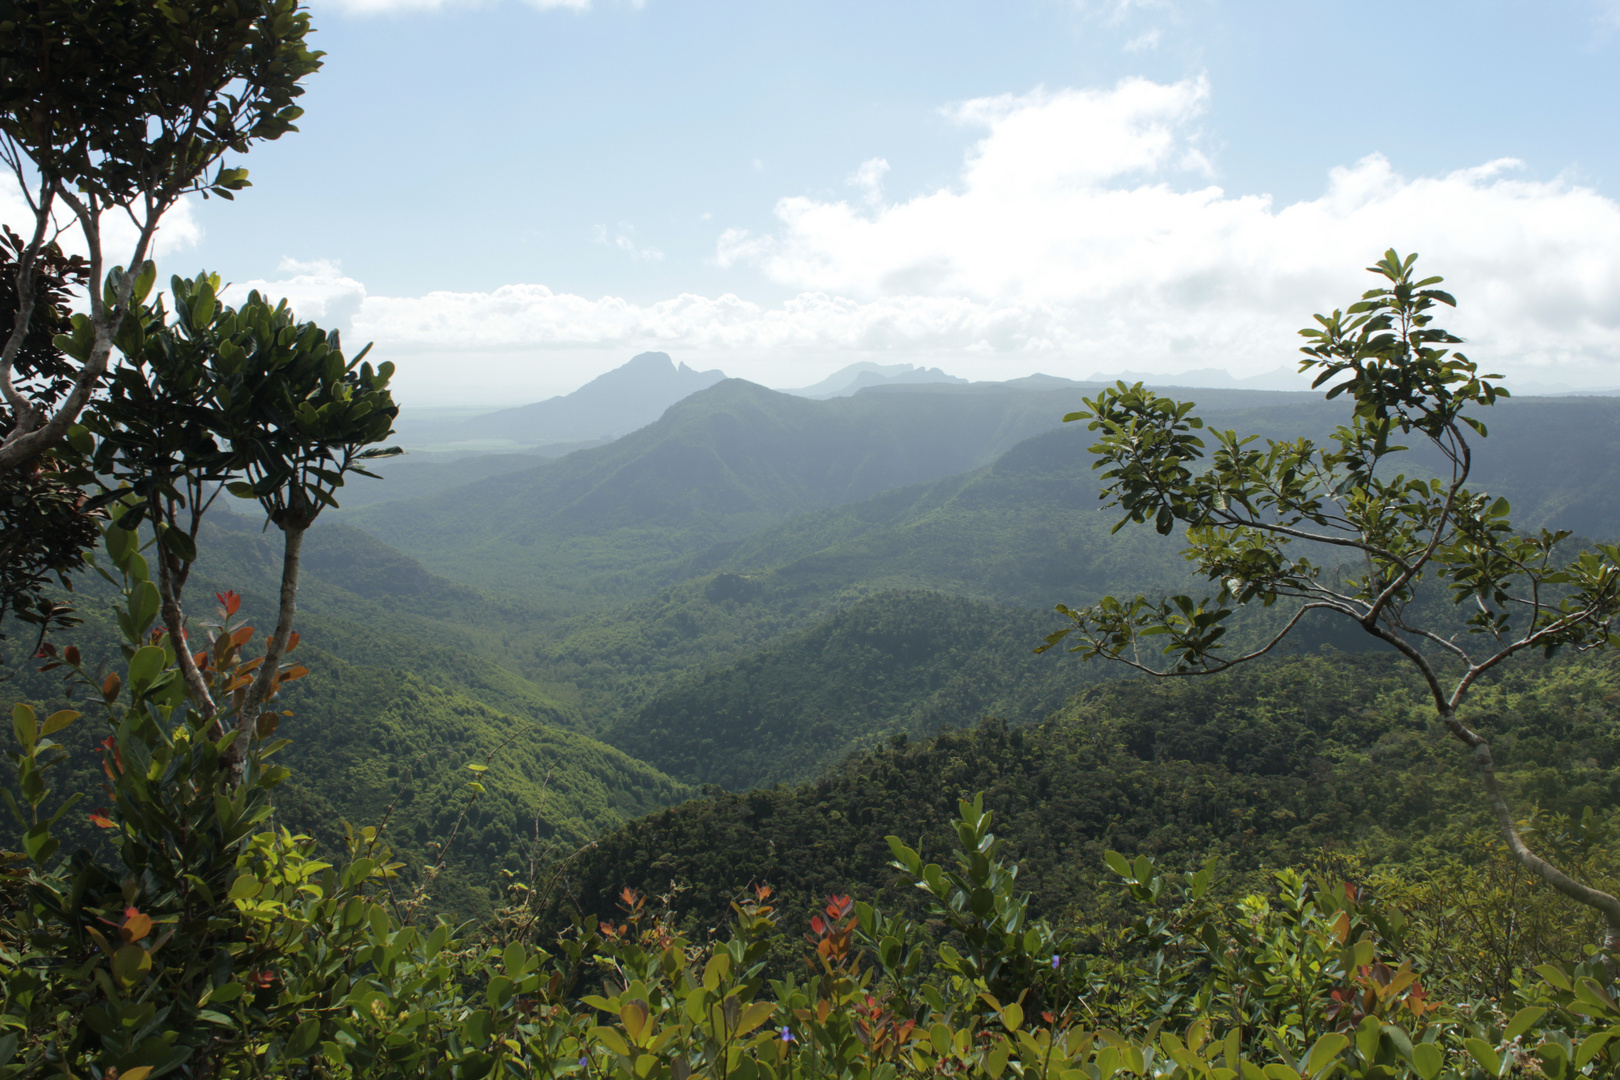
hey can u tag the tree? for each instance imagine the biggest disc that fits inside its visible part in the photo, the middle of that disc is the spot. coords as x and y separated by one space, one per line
47 525
1265 524
248 400
119 108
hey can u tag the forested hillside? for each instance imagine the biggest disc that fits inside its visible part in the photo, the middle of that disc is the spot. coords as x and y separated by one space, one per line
1271 765
897 664
769 654
401 697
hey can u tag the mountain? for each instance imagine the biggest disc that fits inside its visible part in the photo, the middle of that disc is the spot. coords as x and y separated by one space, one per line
621 520
626 398
857 377
1285 378
415 474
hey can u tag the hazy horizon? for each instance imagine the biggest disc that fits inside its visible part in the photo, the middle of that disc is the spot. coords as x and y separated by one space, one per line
1059 186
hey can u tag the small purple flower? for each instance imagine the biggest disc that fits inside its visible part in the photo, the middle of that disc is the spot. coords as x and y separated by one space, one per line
787 1035
582 1062
1055 959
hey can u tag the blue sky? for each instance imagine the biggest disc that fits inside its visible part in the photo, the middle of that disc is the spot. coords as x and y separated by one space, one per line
512 197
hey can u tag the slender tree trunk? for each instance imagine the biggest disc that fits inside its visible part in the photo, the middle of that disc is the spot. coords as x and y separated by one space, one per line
170 585
1605 904
269 674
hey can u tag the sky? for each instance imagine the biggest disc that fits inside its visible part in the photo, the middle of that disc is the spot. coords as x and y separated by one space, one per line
511 197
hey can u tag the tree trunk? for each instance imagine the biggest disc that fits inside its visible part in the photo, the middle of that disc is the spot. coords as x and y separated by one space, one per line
269 673
1605 904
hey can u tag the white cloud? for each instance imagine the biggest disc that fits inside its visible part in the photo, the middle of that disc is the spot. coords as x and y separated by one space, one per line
869 179
1082 235
1144 42
623 238
179 229
1071 201
318 291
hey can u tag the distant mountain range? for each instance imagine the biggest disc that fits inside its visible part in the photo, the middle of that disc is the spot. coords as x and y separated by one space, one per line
857 377
628 397
744 590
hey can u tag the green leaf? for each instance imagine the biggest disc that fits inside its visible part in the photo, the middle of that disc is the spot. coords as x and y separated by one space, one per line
181 544
130 964
1481 1051
1325 1052
1554 976
245 887
905 856
1590 1046
1428 1059
22 722
611 1039
145 666
1522 1022
57 721
224 994
303 1038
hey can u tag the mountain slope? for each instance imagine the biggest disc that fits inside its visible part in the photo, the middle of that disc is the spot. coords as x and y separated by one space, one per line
893 665
403 692
630 396
622 519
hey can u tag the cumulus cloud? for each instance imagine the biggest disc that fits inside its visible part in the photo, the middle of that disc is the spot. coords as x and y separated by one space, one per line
179 229
519 316
1083 234
1080 201
317 291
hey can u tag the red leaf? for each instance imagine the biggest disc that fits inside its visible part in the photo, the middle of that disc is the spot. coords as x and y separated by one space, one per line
99 818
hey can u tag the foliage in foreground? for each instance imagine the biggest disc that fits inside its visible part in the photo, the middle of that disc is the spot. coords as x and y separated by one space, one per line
210 943
212 947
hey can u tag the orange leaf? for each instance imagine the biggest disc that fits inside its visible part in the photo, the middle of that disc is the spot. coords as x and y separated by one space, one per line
111 685
136 925
99 818
292 641
241 636
296 672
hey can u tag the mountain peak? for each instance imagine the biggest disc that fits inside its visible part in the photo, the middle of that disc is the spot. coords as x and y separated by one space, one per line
856 377
617 402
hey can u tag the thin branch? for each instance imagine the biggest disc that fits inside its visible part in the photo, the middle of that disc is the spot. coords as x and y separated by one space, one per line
1222 665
